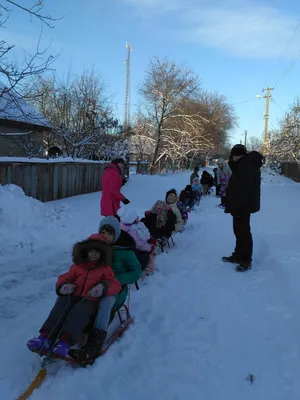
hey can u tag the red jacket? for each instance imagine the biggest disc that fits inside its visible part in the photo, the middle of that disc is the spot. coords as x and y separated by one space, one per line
86 276
111 190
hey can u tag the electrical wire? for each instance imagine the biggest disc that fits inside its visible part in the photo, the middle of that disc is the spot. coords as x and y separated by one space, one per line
285 50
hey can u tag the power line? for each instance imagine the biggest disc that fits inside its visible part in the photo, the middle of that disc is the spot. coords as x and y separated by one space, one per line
242 102
273 101
284 51
289 68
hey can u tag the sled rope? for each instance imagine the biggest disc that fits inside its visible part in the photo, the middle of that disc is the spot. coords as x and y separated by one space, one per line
36 383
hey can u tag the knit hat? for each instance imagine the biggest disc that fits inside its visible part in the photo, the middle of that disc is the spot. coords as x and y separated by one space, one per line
188 188
118 160
171 191
114 223
238 150
127 215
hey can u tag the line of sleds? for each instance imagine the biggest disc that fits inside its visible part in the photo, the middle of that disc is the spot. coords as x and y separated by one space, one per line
120 321
120 318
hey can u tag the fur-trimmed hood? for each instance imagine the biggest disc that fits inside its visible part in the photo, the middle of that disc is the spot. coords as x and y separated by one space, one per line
97 242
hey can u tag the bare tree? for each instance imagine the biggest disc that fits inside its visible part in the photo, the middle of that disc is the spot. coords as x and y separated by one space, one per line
285 142
166 88
186 121
142 140
255 143
79 112
18 76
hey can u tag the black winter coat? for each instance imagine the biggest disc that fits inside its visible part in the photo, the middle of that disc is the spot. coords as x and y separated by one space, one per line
243 192
184 196
165 231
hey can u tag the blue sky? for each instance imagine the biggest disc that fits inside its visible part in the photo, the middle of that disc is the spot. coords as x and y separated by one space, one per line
236 47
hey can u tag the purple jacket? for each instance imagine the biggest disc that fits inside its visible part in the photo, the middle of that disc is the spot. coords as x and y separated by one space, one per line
140 234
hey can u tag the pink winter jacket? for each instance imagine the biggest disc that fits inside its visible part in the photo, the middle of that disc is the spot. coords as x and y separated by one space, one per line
140 234
111 190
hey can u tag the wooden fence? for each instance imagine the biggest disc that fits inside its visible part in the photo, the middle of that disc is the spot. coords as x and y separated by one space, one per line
291 170
51 181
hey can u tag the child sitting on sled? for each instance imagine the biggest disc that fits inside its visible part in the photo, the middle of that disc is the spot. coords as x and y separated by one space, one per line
198 189
145 245
89 280
160 220
171 200
127 271
188 197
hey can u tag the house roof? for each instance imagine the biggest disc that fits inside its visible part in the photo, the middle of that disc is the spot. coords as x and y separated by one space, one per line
14 108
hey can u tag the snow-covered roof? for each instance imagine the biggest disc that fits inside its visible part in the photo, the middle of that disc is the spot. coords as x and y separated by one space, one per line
14 108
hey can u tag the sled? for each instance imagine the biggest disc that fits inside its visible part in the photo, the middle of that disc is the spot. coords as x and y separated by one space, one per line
124 323
46 359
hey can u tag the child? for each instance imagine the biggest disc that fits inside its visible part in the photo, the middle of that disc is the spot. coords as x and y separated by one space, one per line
194 175
89 280
131 224
127 271
187 197
171 200
160 220
207 182
198 189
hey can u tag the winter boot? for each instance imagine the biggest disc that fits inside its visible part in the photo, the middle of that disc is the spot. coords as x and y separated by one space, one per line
231 260
243 266
92 349
61 349
40 343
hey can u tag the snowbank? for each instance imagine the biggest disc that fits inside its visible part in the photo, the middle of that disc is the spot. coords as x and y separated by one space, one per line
26 223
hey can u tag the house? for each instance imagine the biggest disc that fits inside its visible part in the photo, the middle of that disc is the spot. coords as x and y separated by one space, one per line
22 128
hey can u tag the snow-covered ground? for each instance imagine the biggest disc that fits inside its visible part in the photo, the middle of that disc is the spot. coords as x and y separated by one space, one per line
200 328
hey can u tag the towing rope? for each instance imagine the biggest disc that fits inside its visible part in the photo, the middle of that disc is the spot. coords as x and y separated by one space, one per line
36 383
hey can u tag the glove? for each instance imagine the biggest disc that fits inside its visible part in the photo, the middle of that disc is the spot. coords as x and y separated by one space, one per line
96 291
125 201
67 288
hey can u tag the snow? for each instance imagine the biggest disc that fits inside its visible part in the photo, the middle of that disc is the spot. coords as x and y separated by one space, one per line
13 107
200 328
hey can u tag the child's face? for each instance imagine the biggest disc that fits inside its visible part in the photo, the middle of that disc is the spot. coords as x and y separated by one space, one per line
172 198
94 255
108 236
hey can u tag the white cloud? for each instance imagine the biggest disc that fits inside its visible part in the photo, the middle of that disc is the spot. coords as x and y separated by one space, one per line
250 32
241 29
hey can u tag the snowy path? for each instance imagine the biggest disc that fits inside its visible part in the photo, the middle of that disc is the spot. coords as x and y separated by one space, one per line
200 328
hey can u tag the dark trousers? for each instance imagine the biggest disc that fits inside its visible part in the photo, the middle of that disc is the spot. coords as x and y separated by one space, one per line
77 316
218 187
143 257
244 242
223 200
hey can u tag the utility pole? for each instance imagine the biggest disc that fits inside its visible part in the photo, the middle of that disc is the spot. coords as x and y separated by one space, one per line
246 133
267 97
127 93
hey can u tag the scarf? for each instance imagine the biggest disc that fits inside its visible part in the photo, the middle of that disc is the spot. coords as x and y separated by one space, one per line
162 215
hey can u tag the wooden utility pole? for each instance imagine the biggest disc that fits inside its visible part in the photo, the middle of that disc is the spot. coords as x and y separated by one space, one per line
267 97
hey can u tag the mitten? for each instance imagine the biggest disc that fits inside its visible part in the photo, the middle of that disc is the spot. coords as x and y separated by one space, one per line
67 288
96 291
125 201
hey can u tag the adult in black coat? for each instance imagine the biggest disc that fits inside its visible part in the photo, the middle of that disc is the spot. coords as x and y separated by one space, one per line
242 200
